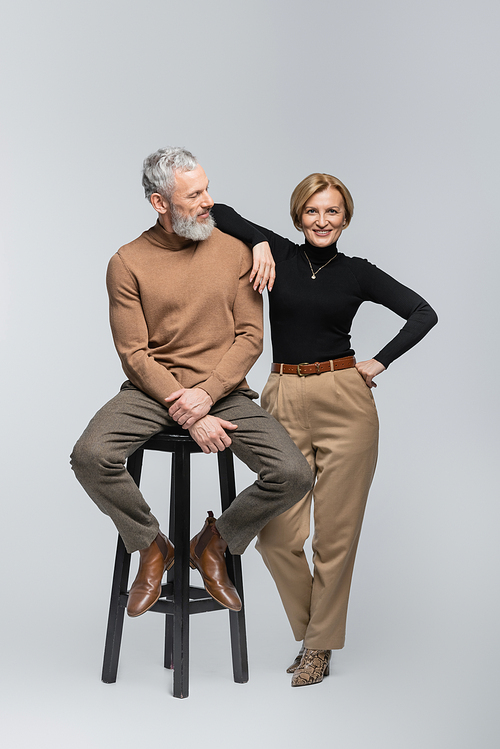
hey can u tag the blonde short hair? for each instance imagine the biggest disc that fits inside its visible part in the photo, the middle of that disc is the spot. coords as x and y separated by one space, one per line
317 183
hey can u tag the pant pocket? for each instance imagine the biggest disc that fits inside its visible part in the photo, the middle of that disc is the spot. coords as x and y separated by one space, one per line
269 395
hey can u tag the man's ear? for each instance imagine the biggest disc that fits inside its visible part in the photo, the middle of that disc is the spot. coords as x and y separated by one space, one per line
159 204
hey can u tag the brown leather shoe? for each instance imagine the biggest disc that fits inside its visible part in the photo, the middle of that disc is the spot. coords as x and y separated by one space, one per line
207 556
146 588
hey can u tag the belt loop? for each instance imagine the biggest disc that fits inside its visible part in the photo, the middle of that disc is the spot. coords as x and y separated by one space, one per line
331 365
281 369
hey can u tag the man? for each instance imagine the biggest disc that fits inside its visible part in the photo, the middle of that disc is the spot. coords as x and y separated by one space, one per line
187 326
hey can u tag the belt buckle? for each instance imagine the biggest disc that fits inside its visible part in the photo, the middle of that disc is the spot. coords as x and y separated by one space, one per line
302 364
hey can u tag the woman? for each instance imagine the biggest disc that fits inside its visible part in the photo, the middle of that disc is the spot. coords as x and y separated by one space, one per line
327 406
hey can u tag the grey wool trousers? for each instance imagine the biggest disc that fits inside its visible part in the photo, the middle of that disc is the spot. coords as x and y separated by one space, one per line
129 419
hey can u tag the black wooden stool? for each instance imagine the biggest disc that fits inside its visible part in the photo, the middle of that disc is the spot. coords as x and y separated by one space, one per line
178 600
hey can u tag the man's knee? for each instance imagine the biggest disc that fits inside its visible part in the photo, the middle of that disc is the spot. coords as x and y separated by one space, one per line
295 477
78 459
300 477
87 457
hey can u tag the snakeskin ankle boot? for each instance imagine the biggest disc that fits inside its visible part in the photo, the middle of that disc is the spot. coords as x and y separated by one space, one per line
315 664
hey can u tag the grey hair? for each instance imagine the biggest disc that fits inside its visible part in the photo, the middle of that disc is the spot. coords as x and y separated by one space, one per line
158 170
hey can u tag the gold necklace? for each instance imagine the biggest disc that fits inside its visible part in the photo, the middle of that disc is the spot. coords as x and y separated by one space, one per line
314 274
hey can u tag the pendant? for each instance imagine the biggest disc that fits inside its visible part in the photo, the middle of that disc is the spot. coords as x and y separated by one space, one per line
313 275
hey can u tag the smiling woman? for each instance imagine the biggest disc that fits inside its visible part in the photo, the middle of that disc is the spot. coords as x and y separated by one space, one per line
331 416
314 187
321 206
323 217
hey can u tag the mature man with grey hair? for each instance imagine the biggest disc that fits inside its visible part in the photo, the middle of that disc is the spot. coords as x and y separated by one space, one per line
187 326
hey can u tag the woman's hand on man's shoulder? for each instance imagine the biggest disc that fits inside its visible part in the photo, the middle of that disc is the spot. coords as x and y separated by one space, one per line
263 270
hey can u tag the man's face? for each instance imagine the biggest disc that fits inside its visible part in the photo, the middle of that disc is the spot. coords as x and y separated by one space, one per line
190 205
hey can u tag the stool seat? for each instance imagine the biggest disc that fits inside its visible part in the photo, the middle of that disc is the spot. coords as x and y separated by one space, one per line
178 599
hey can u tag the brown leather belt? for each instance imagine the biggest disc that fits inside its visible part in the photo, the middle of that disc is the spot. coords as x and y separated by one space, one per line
304 369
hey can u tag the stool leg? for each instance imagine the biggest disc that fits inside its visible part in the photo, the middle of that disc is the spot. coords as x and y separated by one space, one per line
119 587
169 620
181 475
237 624
116 614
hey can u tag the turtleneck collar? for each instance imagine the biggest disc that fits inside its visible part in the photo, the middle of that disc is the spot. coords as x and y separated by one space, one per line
319 255
158 236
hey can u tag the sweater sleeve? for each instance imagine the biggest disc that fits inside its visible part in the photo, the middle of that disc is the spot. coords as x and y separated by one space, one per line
379 287
234 365
130 334
232 223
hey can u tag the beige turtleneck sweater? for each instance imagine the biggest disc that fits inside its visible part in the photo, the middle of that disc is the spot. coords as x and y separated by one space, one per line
183 313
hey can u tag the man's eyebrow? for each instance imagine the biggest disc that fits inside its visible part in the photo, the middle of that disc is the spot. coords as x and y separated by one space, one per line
195 192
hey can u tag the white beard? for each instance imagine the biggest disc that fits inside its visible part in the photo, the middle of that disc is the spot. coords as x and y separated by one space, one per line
189 227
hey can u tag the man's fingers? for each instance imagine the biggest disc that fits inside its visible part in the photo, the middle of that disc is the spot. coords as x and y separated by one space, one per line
211 436
213 446
227 424
174 396
226 440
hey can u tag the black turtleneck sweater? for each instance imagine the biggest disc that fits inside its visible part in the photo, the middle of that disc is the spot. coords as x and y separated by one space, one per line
310 318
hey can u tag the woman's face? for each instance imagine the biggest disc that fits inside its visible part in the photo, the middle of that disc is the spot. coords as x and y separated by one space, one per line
323 217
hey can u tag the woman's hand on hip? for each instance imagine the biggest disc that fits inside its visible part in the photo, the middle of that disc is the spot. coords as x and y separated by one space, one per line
263 269
368 370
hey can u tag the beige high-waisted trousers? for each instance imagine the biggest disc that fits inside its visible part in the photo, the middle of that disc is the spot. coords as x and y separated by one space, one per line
332 418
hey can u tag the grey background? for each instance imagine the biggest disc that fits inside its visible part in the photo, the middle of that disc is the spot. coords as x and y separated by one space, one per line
399 100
